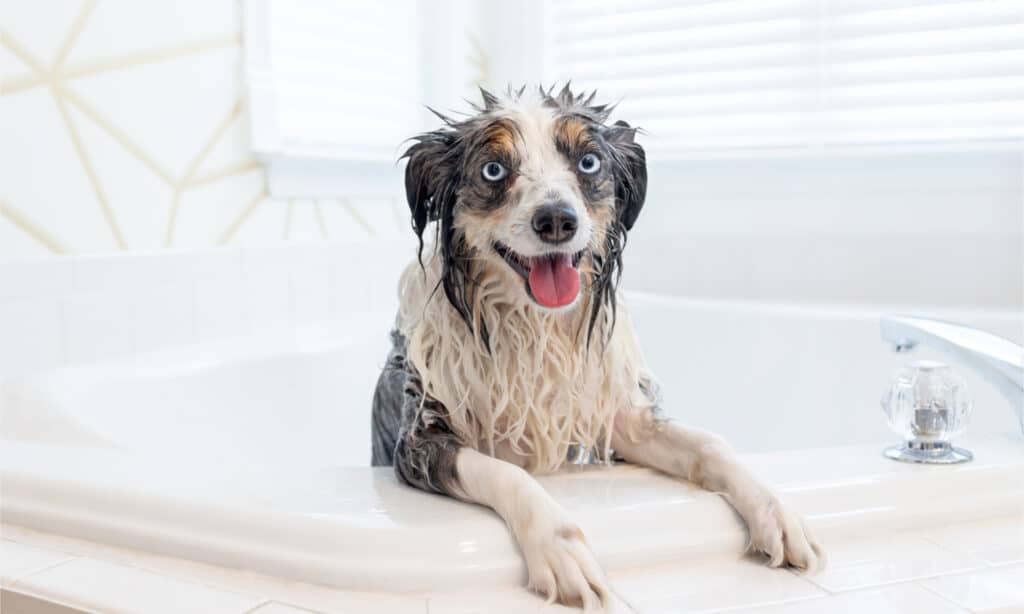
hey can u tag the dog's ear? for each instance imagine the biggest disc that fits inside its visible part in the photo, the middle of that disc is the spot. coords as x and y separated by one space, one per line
630 168
429 169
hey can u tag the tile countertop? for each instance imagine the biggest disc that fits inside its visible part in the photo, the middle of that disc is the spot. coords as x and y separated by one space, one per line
972 567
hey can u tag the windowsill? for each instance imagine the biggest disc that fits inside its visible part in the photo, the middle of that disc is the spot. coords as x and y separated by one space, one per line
666 154
309 177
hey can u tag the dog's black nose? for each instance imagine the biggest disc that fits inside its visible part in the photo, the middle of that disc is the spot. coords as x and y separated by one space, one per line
555 223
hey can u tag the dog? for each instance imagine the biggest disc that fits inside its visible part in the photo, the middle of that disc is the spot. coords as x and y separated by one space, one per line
512 343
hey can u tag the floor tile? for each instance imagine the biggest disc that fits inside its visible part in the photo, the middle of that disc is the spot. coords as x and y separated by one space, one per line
97 585
898 599
13 602
279 608
997 542
297 594
983 592
488 601
888 560
711 585
18 560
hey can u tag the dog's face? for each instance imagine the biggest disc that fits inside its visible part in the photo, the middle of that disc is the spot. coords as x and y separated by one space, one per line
535 188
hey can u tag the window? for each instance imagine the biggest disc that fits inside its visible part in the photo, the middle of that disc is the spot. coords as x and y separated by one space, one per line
334 90
800 75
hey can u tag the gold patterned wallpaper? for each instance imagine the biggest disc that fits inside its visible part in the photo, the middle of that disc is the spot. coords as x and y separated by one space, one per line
125 128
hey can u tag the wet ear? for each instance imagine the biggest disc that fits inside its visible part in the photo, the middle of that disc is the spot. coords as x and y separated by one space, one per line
426 175
630 170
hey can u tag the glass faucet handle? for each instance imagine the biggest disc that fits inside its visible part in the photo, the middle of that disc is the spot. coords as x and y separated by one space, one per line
927 405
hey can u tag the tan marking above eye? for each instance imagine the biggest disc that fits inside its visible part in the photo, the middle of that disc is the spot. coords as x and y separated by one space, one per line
501 141
572 134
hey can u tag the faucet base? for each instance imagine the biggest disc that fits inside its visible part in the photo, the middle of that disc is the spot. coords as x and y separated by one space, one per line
928 452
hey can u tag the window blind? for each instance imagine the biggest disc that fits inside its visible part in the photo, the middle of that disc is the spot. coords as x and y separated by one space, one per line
799 74
336 79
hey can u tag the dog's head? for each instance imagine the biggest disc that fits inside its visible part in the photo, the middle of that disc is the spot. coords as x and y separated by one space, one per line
534 188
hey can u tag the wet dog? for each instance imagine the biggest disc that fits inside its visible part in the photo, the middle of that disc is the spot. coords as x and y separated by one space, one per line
512 344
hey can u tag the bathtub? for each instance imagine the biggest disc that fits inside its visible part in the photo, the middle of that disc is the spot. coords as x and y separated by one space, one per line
253 453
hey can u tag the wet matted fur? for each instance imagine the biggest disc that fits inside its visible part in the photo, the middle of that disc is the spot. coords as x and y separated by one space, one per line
485 383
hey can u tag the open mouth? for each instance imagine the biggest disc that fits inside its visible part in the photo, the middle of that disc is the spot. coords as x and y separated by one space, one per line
552 279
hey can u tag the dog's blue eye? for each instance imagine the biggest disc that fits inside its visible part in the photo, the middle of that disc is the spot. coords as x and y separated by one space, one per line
493 171
589 163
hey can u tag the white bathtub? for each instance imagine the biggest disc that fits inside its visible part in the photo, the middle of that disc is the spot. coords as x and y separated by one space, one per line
253 453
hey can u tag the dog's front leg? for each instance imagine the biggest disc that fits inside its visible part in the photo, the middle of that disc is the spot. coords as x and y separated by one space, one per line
705 459
558 559
559 563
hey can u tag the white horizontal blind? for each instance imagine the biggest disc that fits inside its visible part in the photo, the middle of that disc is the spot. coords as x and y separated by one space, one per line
799 74
339 78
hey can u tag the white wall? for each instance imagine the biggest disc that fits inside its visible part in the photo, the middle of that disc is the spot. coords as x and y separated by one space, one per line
124 128
64 311
937 228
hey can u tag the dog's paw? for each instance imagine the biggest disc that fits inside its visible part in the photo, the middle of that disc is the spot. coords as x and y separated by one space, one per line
784 537
562 568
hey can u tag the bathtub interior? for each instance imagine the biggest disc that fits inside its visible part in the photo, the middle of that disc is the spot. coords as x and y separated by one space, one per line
766 377
772 376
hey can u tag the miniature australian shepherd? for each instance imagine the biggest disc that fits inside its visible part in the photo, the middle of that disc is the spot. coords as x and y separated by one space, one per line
512 345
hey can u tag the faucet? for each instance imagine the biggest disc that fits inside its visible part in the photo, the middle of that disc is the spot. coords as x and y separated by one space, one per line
1000 361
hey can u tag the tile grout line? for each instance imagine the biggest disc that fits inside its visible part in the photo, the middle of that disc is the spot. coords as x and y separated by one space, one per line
243 217
828 592
223 173
53 601
950 550
939 595
318 209
347 203
72 35
257 606
35 572
151 56
33 230
118 135
204 151
23 54
90 170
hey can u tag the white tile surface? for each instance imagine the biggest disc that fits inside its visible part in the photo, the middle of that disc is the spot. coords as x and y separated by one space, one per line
207 211
265 226
320 599
32 334
108 587
41 28
18 560
898 599
164 316
998 542
139 199
279 608
296 594
170 108
486 601
267 287
697 587
984 592
118 272
14 602
17 245
153 27
310 284
220 308
100 326
888 560
35 279
43 174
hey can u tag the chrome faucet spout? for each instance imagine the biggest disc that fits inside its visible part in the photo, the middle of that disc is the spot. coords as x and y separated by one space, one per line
998 360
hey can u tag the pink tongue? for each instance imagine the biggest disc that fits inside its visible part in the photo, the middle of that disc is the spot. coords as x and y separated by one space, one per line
554 282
